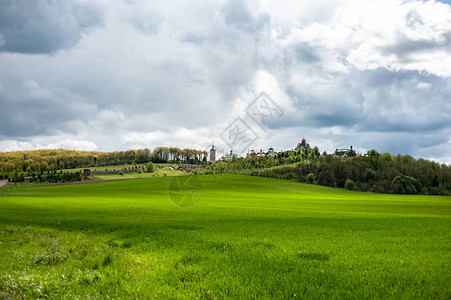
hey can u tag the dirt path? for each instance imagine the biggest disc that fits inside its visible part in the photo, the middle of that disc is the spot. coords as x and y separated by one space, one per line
3 183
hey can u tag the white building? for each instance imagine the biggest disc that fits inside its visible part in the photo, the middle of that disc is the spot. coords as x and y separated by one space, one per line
271 152
230 156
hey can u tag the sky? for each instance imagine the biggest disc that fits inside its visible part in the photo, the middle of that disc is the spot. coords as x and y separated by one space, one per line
116 75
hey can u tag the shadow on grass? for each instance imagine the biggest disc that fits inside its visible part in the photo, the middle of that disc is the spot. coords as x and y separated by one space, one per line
314 256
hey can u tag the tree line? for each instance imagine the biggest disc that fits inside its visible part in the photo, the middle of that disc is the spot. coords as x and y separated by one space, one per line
37 161
48 177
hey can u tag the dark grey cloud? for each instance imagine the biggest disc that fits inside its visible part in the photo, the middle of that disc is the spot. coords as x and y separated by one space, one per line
31 110
405 101
39 26
405 47
306 53
369 101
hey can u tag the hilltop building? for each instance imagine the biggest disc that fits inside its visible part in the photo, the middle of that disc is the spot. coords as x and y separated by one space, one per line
212 154
262 153
271 152
349 152
229 156
303 145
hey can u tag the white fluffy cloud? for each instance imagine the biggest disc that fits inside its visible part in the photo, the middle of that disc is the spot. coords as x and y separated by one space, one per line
12 145
375 74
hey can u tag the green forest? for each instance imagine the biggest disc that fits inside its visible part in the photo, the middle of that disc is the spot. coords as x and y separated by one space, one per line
37 161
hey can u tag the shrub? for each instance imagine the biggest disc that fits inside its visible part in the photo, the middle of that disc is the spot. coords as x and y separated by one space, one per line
255 173
310 178
440 190
150 167
350 185
403 184
381 186
198 172
363 187
288 176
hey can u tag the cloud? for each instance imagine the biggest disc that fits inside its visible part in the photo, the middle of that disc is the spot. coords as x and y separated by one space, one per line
132 73
12 145
31 110
39 26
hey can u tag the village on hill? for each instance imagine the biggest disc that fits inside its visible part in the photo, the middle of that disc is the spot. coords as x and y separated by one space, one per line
303 145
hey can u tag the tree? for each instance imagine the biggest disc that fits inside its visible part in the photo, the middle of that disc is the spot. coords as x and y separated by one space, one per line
150 167
10 167
387 156
326 175
310 178
370 176
403 184
372 153
350 185
316 151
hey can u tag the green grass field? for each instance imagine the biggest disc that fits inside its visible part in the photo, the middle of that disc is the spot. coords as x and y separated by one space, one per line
238 237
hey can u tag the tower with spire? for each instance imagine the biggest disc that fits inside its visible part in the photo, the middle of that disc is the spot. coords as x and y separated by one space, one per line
212 154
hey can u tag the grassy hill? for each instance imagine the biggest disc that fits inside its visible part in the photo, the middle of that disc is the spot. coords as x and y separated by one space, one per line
227 236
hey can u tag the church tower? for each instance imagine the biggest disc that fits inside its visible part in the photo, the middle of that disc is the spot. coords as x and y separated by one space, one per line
212 154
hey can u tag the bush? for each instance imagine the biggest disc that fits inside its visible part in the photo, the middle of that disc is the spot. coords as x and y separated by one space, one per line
403 184
438 190
310 178
350 185
363 187
198 172
382 186
150 167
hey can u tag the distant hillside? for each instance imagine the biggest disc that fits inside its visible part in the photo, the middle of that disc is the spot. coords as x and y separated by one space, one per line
400 174
374 172
37 161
